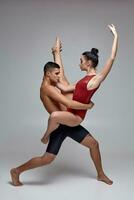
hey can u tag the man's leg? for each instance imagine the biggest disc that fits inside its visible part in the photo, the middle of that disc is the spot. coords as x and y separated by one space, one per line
81 135
52 150
93 146
35 162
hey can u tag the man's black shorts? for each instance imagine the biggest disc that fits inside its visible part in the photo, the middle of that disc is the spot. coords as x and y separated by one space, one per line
77 133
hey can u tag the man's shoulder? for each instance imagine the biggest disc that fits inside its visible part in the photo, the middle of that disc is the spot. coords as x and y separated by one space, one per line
48 88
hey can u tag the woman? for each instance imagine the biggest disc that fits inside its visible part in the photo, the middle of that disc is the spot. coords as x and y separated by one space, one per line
84 89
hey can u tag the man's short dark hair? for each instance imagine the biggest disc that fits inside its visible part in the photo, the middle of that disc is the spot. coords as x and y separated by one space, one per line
50 66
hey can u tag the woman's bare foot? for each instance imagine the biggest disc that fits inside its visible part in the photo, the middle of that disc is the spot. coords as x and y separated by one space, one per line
15 177
45 139
105 179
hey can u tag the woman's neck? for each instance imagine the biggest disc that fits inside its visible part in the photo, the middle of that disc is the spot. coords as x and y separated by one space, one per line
91 71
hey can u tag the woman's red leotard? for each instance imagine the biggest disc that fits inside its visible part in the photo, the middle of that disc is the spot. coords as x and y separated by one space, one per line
82 95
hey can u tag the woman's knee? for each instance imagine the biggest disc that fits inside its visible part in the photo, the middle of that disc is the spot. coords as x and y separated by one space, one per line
54 115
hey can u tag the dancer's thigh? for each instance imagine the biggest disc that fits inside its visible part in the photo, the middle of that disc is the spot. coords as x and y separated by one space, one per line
66 118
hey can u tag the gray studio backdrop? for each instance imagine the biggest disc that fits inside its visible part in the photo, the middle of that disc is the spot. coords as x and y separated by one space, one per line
27 33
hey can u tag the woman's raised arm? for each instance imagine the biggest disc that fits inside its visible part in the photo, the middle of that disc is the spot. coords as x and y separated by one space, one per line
107 67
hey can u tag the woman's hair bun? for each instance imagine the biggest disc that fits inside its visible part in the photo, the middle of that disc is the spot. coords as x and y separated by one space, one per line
95 51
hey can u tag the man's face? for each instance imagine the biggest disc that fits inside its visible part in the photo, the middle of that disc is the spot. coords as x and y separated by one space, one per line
54 75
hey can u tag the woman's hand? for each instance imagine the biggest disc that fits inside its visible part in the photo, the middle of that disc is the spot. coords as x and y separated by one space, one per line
113 29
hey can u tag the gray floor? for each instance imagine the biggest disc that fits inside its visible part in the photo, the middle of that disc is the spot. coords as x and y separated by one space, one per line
72 174
69 180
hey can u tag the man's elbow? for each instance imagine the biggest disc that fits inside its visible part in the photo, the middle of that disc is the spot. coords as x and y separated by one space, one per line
41 97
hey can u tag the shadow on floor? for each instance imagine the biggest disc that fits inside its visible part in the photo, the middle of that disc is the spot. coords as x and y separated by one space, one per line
58 173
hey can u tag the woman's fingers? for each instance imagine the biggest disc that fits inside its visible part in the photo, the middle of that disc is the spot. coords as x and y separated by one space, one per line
112 28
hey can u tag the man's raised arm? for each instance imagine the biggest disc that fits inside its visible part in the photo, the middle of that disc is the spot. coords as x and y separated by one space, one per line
56 51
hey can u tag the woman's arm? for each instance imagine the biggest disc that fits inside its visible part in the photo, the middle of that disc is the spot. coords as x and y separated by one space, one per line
65 88
56 51
107 67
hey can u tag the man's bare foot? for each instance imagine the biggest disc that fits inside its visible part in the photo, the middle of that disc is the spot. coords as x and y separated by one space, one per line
15 177
45 139
105 179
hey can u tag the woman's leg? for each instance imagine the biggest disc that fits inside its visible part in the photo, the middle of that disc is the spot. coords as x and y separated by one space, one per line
57 118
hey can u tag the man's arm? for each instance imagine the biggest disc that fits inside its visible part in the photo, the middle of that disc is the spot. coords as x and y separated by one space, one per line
56 51
58 97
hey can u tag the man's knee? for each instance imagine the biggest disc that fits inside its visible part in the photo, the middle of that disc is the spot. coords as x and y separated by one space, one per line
47 158
94 143
90 142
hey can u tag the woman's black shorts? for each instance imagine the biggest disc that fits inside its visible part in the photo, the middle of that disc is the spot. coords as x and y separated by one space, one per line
77 133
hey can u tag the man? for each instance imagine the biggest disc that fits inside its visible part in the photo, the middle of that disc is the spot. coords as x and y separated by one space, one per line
54 100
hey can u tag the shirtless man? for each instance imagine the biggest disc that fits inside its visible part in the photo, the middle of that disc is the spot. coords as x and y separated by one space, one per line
53 100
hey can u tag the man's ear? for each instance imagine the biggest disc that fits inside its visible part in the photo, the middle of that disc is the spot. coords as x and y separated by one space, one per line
47 73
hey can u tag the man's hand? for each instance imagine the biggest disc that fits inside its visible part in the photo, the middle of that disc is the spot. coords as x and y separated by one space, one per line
56 51
57 46
91 104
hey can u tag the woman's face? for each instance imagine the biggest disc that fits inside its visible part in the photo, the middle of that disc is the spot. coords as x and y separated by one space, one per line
84 63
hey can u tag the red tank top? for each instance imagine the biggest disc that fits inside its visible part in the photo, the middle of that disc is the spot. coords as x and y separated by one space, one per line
82 95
